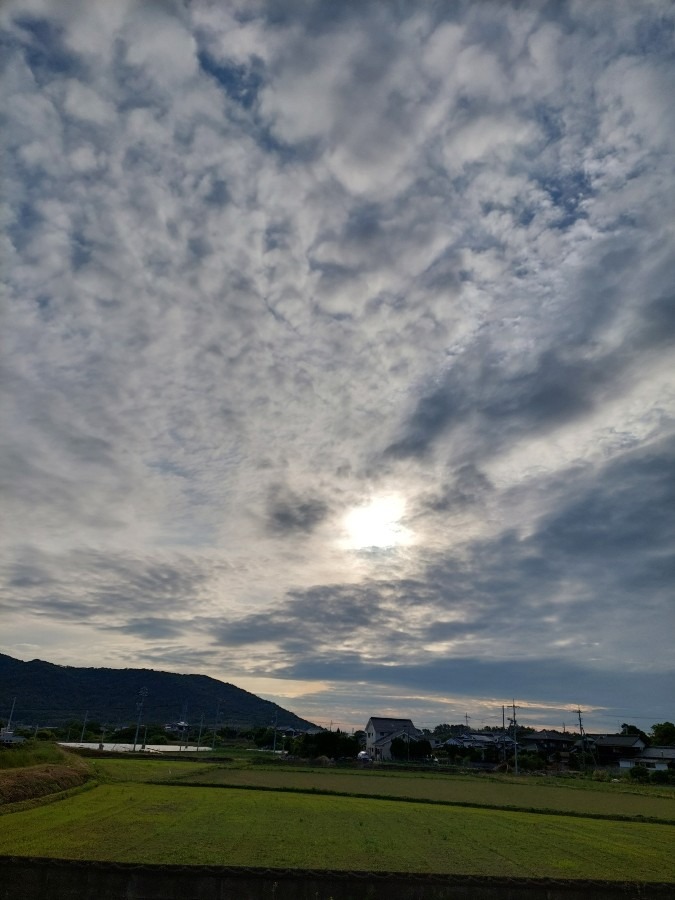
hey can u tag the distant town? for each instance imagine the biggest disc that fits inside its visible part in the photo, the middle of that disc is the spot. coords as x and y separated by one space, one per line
392 740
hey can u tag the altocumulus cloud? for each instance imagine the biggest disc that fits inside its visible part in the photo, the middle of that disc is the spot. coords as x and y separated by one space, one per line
267 263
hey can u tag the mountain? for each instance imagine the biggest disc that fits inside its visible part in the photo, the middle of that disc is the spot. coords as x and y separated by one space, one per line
47 694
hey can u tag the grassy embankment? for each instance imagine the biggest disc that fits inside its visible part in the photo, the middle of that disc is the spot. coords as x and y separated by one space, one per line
39 770
281 820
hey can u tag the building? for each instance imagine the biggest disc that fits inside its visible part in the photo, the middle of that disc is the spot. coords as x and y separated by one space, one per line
380 732
491 745
659 759
549 742
609 749
7 737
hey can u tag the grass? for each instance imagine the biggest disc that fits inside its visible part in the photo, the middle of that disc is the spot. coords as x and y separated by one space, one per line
153 810
144 769
163 824
46 770
32 753
614 800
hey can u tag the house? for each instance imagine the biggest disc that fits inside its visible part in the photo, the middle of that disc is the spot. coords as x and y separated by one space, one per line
658 758
498 743
380 732
479 739
549 742
609 749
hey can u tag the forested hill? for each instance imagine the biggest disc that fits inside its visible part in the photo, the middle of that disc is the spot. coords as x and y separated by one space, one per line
47 694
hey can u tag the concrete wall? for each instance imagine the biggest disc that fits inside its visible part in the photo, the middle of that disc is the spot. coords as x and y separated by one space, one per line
43 879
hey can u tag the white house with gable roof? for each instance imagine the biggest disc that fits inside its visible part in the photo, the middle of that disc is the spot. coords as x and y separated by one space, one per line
380 732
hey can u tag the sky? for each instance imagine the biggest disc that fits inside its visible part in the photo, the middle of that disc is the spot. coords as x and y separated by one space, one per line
337 351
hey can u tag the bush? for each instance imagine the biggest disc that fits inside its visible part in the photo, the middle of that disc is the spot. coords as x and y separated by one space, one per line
528 762
321 761
581 761
639 774
661 776
601 775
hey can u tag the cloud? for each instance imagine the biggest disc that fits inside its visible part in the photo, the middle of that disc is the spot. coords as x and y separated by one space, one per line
266 264
553 392
289 513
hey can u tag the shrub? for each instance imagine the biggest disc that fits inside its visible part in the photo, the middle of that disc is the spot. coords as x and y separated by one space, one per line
321 761
661 776
639 773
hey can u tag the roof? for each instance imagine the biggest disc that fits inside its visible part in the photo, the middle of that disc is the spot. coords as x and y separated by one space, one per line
478 740
658 753
619 740
551 736
382 724
481 737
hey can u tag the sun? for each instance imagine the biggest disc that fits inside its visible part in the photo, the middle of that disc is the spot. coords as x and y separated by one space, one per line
377 524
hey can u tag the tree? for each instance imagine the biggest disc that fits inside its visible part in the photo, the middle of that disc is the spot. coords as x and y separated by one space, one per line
633 729
446 730
421 749
263 737
529 762
333 744
403 749
663 734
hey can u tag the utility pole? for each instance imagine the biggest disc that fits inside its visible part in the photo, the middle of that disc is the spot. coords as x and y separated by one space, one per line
142 694
199 739
84 725
215 726
466 719
185 730
9 723
274 740
515 739
583 740
503 733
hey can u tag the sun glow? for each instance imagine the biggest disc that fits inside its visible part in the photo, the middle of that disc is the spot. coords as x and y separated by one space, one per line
377 525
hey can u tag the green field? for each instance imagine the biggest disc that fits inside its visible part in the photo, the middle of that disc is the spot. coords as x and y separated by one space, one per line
562 797
163 824
294 818
124 770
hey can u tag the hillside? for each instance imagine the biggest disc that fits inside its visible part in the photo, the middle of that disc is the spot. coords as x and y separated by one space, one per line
47 694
